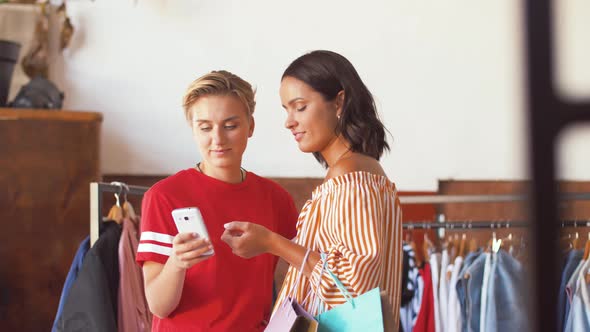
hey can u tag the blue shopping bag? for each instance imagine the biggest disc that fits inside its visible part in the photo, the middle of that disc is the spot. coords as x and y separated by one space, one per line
362 313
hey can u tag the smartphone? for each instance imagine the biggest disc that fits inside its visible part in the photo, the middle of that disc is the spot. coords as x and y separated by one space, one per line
190 220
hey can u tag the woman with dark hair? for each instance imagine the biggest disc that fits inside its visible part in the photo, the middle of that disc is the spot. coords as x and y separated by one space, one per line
352 223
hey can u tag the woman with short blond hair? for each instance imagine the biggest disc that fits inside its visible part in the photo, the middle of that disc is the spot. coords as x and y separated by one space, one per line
185 289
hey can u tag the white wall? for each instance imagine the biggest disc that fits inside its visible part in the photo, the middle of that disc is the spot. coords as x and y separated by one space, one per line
572 24
447 77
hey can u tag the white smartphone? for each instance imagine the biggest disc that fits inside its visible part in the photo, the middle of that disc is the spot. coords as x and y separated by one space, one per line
190 220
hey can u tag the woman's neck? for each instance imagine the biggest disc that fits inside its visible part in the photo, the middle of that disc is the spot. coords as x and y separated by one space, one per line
336 150
226 174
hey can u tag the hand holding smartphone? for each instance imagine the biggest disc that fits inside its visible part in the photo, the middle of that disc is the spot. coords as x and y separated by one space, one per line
190 220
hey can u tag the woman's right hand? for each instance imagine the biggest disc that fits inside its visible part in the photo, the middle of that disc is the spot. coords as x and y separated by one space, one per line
188 248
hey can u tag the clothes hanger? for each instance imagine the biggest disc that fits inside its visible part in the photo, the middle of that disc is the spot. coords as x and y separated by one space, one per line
565 242
507 242
576 241
472 245
585 257
587 248
116 212
456 246
453 249
410 241
496 244
427 246
463 243
491 241
417 253
128 209
450 245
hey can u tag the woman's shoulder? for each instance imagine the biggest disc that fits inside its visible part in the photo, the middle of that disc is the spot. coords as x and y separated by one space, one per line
356 162
171 183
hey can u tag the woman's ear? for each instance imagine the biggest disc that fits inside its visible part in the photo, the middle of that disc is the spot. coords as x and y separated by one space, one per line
252 125
339 103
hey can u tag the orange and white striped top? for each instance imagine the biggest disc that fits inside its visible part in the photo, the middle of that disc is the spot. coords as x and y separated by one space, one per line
355 219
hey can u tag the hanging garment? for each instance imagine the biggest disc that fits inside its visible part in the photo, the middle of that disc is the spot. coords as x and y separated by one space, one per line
443 294
461 287
435 273
572 260
92 302
454 309
409 312
407 263
425 319
71 277
506 308
134 314
484 291
577 319
572 284
471 281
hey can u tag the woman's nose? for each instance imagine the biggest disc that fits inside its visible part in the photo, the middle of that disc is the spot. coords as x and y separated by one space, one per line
290 122
218 136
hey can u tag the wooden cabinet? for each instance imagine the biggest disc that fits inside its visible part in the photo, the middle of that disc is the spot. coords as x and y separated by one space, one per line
47 160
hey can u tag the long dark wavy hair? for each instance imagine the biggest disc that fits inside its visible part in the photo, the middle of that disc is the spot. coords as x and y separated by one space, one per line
328 73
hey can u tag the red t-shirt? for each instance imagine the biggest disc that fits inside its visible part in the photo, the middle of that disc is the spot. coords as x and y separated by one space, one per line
224 292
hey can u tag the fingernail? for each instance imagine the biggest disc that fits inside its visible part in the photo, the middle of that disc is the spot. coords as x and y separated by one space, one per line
226 226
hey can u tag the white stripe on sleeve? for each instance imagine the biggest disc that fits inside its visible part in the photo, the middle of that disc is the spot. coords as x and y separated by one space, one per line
154 248
158 237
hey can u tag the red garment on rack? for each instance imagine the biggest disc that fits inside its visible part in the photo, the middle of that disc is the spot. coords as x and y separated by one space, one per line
425 319
134 313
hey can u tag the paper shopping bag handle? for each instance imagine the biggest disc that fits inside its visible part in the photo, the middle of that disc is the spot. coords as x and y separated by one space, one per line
339 284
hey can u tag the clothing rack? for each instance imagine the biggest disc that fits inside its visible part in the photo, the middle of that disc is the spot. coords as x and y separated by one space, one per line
443 199
466 225
96 191
98 188
485 224
441 225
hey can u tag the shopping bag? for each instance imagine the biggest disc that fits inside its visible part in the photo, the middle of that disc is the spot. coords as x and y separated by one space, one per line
289 315
362 313
389 322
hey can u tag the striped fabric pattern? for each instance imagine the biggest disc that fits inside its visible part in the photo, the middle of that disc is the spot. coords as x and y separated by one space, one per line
153 242
356 220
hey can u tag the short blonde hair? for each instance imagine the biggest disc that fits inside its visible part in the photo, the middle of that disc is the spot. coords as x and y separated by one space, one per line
219 83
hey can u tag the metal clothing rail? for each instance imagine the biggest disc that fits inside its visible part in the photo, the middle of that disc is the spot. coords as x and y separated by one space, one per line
465 225
443 199
441 225
485 224
96 190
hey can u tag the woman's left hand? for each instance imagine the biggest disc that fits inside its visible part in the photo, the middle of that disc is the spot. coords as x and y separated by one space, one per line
247 239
